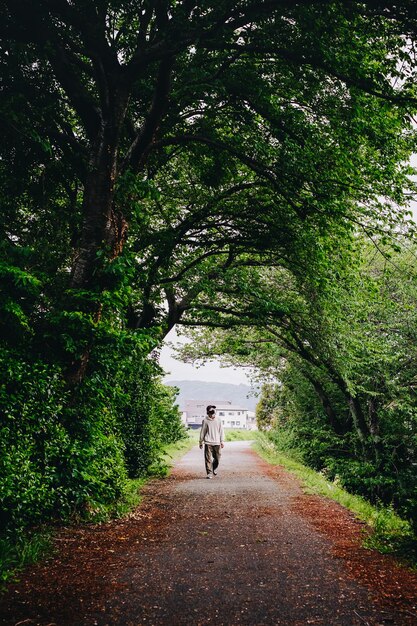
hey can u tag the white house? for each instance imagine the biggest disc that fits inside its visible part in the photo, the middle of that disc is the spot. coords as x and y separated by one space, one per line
232 416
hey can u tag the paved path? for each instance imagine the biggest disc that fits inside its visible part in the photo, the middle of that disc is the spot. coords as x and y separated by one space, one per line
227 551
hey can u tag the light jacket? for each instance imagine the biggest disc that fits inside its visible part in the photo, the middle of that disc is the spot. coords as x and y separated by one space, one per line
212 431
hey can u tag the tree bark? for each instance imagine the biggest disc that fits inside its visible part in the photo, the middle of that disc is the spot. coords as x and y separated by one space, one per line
102 225
103 228
375 428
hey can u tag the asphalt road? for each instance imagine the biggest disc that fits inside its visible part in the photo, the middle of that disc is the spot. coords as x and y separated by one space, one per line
227 551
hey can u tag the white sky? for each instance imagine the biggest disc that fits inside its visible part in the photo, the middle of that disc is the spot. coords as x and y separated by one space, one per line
211 372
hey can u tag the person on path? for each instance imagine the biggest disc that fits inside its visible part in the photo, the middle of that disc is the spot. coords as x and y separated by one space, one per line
212 435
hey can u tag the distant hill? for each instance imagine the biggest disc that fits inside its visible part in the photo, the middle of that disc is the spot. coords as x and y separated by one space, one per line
242 395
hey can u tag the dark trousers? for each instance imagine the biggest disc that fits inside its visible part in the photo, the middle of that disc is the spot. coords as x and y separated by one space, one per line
211 457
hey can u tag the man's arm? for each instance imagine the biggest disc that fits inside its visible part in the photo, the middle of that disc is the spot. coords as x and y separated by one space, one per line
221 435
203 430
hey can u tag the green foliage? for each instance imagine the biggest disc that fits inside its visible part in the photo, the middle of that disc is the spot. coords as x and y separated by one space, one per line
130 499
17 552
340 343
50 467
387 476
148 419
19 292
66 456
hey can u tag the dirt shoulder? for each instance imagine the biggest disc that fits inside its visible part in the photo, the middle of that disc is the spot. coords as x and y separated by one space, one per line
248 547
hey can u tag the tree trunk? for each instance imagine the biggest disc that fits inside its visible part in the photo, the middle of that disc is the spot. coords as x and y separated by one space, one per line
358 417
103 228
326 404
375 429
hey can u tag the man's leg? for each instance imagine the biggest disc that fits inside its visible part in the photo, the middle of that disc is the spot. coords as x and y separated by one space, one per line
216 457
208 458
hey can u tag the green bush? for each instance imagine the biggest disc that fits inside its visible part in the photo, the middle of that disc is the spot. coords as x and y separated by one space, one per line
147 417
67 454
385 474
50 467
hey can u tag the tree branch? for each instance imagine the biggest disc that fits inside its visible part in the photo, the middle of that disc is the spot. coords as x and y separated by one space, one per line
138 149
364 84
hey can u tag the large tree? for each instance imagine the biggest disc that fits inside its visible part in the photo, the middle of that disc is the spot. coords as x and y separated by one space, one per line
296 110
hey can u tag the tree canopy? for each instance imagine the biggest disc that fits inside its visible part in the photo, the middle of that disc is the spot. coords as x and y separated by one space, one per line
279 116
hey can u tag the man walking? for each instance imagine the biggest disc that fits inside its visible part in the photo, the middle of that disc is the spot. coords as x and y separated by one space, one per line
212 435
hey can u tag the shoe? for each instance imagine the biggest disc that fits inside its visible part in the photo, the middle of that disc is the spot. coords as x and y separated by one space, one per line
209 476
215 473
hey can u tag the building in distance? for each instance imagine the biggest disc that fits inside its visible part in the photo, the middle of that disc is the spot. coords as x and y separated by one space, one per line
232 416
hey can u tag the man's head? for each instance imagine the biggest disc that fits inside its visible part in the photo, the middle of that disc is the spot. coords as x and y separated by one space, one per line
211 409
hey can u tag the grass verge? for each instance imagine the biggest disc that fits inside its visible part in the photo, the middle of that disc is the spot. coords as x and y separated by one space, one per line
16 553
390 534
238 434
